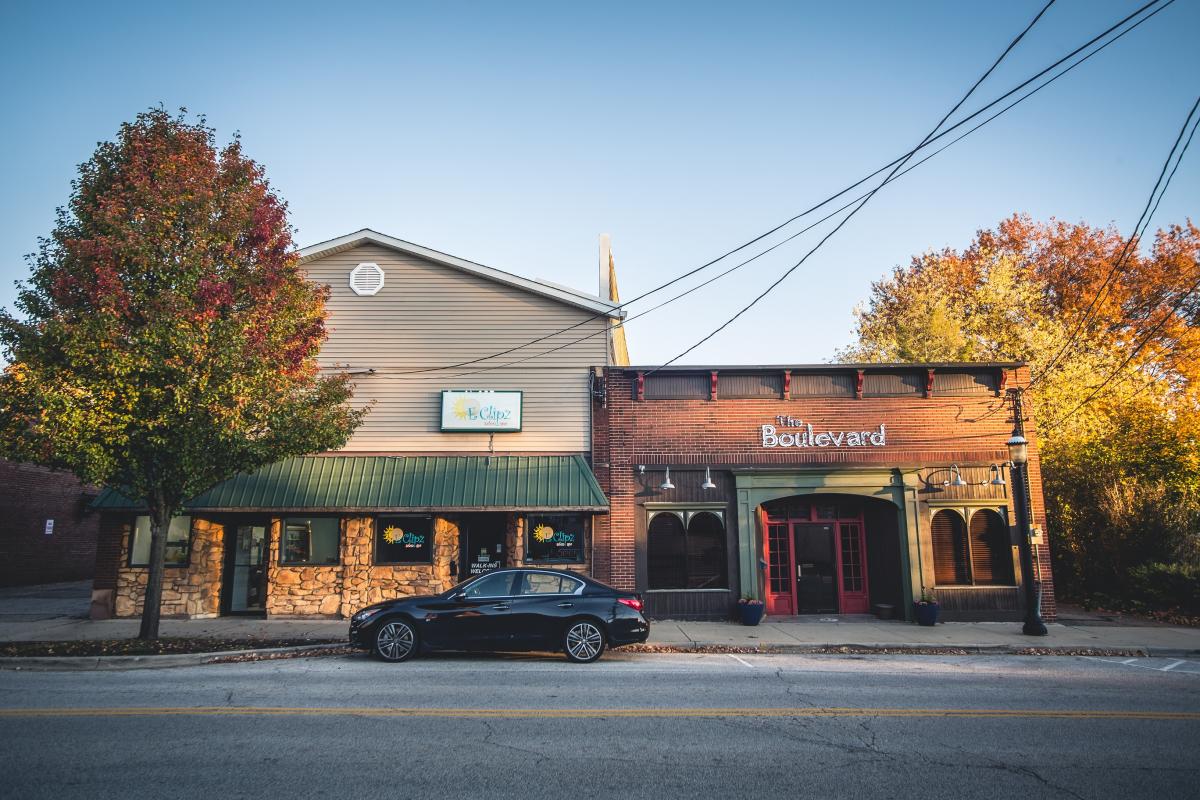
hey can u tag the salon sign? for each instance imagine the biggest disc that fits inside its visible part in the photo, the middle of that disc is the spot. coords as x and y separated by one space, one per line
481 410
792 432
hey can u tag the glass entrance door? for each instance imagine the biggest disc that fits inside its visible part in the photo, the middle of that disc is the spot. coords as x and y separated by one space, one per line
246 573
483 544
816 569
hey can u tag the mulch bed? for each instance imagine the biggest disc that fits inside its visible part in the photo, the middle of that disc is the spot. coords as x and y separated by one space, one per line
138 647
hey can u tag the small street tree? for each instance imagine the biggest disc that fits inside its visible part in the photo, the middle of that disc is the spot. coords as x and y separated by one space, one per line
169 339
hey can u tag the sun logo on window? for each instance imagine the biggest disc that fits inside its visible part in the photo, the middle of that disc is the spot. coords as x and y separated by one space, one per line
392 534
543 533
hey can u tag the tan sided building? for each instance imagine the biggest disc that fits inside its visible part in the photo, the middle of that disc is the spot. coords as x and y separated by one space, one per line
455 471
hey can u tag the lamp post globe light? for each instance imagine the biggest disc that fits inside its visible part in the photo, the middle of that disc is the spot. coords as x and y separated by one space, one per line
1018 454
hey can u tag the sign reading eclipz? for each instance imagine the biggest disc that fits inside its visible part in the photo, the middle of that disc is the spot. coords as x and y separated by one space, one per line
807 437
481 410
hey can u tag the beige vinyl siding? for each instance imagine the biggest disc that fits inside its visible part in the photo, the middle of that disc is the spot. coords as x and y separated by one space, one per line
427 315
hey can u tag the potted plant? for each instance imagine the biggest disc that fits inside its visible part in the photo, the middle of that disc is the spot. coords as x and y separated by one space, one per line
926 608
751 610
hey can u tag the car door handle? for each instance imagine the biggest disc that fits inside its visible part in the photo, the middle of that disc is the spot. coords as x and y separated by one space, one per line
565 605
501 606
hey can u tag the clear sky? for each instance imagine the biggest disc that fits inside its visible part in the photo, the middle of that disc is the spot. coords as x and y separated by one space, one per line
513 133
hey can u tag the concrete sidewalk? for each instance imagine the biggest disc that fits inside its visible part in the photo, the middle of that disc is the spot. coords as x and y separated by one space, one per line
769 636
58 613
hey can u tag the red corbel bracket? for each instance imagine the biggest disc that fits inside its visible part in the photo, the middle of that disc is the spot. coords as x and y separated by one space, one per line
641 386
929 383
712 389
787 384
858 385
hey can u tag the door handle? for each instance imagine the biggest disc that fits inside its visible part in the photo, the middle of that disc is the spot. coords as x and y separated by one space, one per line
565 605
501 606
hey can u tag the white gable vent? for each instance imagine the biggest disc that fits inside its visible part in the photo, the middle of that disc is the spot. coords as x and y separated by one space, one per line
366 279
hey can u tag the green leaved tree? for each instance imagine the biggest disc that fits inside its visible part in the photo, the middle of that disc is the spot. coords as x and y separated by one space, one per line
168 340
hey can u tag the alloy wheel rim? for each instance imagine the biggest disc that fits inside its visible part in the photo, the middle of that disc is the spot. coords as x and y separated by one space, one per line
583 641
395 640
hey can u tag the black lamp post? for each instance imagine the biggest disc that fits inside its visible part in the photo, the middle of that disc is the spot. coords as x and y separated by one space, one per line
1018 453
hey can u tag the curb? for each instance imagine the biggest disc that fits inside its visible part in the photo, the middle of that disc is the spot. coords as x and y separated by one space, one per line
919 648
93 663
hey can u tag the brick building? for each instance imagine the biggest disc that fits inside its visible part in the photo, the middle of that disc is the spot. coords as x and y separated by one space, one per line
824 489
47 533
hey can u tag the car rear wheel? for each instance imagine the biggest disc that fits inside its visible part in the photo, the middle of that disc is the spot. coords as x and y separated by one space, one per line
583 642
395 641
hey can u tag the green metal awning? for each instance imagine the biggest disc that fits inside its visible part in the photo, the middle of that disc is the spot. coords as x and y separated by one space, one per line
395 483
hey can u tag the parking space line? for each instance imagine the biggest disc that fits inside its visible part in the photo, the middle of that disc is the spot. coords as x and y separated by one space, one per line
1171 666
741 661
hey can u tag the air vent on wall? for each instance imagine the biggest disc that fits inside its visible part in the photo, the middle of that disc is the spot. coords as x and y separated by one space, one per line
366 279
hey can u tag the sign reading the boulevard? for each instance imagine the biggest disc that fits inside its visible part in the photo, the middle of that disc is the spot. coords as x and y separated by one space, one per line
802 434
481 410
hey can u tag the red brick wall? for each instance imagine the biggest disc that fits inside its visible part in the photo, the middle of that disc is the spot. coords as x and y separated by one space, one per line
921 432
29 496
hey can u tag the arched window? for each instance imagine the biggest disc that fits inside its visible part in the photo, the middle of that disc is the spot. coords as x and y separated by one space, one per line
991 550
691 558
666 549
951 556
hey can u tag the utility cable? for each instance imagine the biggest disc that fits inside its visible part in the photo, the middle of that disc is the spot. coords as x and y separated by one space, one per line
810 210
870 195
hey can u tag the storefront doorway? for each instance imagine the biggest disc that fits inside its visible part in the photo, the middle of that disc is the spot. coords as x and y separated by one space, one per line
482 542
244 589
815 556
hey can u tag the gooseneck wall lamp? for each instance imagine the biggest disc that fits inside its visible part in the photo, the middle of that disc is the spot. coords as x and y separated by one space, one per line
667 485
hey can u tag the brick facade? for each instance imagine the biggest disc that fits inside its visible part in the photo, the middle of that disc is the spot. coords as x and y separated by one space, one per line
924 434
29 496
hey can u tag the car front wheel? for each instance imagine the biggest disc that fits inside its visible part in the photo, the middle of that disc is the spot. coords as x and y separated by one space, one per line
583 641
395 641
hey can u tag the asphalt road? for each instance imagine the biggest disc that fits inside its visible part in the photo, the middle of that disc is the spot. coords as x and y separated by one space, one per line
661 726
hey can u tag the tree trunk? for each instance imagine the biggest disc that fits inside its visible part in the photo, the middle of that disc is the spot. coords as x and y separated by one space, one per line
160 520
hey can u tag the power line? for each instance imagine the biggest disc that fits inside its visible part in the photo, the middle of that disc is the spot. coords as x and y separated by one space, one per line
1149 335
872 193
902 159
828 216
1138 230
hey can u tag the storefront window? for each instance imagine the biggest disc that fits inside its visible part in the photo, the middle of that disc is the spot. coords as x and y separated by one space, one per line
179 542
555 538
686 558
310 541
980 555
403 540
951 558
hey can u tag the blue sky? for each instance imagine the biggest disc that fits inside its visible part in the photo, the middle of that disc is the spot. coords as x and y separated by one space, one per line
512 134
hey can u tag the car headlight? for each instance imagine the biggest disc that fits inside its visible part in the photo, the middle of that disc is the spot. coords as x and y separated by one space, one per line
365 614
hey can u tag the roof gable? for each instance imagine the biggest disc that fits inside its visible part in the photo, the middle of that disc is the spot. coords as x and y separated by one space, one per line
562 294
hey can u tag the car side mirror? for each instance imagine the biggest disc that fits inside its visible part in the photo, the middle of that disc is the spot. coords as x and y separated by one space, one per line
458 597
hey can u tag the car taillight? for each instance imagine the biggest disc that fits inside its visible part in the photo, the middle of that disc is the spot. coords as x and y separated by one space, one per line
633 602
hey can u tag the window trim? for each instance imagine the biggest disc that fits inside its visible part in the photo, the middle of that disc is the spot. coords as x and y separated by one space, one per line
376 531
190 539
341 531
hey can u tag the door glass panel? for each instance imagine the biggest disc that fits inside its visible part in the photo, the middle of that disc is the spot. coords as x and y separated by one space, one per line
816 587
780 562
852 568
248 590
546 583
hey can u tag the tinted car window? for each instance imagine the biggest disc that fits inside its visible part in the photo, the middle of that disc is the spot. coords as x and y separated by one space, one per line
545 583
498 585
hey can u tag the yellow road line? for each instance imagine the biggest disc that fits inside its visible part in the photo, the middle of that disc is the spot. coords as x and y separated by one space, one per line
592 713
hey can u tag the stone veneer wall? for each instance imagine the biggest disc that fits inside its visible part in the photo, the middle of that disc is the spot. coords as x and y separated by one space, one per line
339 591
192 591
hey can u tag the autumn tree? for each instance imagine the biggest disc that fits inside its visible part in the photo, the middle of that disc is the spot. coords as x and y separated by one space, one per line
1098 319
168 339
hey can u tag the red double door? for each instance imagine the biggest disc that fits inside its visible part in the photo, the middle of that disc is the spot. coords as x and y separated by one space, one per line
815 565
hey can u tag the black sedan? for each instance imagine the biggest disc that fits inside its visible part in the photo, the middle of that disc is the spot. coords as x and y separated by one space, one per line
508 609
